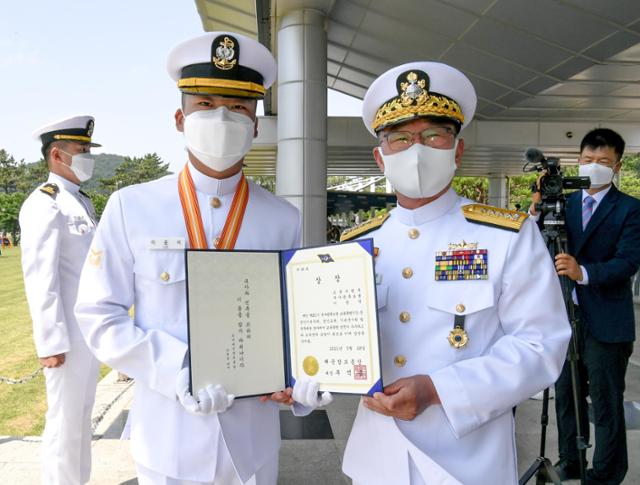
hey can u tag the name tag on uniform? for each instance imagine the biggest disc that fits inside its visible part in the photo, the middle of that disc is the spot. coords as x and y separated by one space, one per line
164 243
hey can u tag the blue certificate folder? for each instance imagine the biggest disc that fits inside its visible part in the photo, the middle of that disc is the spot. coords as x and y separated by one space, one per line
260 320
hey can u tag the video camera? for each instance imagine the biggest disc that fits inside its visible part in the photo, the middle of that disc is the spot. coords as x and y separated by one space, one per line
552 183
552 209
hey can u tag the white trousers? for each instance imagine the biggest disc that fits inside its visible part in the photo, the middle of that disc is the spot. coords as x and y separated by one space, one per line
225 473
414 475
66 440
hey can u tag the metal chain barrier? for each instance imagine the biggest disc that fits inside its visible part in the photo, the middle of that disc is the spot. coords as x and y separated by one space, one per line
22 380
95 421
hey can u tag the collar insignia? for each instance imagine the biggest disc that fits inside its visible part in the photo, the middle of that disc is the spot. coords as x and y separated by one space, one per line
95 258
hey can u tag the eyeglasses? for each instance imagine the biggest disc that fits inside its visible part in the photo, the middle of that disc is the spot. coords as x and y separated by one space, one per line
434 137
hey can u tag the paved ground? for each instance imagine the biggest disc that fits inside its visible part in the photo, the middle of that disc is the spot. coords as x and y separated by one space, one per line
19 456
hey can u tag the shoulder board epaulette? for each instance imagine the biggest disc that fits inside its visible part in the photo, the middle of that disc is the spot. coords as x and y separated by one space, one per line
50 189
364 227
494 216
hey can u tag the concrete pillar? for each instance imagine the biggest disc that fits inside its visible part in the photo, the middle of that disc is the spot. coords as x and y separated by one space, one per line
498 195
301 169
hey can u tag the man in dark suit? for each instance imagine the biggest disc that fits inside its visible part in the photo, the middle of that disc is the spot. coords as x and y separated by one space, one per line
603 226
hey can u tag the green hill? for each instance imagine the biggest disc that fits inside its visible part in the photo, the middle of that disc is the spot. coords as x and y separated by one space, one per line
106 164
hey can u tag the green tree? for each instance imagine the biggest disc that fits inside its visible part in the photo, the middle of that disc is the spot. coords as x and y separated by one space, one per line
631 165
520 190
630 175
265 181
99 201
9 210
34 175
11 172
474 188
135 170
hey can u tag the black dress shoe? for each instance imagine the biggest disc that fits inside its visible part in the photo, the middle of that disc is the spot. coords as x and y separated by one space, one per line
594 478
566 470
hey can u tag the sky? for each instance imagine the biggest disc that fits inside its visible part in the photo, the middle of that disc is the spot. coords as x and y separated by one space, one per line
102 58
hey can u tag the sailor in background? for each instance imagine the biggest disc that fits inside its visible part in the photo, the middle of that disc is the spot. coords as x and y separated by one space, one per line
472 320
57 224
138 258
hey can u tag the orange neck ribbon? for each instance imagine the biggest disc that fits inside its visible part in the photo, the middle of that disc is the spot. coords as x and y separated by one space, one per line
193 218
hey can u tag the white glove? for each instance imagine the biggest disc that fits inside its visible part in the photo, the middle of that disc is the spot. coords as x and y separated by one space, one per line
211 399
305 392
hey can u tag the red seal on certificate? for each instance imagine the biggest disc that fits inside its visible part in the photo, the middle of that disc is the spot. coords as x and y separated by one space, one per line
360 372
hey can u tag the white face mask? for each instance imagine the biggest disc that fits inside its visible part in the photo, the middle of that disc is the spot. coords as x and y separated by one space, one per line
600 175
420 171
219 138
82 165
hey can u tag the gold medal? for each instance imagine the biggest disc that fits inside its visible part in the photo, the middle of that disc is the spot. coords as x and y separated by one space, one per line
458 338
310 365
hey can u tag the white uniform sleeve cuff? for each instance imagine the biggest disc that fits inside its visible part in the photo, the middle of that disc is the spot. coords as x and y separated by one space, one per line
455 401
55 343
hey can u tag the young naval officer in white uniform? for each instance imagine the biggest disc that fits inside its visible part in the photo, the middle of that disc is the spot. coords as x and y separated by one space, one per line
177 438
57 224
471 315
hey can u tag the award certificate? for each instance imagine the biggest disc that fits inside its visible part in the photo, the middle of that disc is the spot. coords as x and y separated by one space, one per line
260 320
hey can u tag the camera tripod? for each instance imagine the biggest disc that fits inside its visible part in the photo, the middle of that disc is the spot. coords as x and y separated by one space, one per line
554 235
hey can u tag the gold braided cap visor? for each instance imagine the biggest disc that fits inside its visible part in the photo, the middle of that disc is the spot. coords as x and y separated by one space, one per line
225 87
393 111
86 139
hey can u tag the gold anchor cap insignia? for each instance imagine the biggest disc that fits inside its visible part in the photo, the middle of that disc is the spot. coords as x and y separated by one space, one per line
413 90
225 53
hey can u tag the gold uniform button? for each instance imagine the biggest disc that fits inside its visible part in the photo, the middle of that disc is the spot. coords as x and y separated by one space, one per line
164 276
414 233
407 273
460 308
405 317
215 203
216 241
400 360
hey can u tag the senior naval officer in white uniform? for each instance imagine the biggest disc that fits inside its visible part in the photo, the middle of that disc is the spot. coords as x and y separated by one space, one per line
471 314
57 224
137 259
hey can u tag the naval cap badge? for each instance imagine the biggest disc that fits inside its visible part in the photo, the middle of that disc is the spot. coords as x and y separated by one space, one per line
90 125
225 52
413 87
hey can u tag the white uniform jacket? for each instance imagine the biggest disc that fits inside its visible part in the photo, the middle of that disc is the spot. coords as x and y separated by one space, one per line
518 335
55 234
122 270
